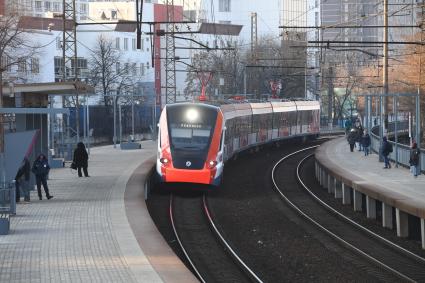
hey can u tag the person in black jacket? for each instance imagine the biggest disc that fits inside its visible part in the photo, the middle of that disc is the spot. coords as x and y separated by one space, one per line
81 159
22 180
387 148
366 142
41 169
414 160
352 137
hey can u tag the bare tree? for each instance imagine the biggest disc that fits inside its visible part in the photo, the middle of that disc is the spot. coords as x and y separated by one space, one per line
108 73
15 49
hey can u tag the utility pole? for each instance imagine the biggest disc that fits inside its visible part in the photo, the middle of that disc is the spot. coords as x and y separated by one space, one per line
170 62
330 97
69 51
384 100
254 45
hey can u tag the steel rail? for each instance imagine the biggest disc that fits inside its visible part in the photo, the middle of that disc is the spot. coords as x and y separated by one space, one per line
198 274
241 263
295 207
401 249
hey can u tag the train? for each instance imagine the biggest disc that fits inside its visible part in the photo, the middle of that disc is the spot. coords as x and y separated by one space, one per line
195 139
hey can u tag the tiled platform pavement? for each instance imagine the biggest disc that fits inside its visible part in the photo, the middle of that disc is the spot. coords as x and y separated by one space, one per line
82 234
369 168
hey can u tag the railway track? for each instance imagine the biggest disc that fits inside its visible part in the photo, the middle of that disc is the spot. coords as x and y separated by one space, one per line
206 250
384 254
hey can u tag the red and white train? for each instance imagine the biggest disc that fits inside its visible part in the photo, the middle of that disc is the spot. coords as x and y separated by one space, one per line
196 139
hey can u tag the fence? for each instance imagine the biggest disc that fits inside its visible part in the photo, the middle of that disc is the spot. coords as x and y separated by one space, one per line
401 152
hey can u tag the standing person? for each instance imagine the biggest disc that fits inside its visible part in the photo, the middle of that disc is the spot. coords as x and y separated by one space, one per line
366 142
360 136
387 148
22 180
41 169
81 159
414 160
352 137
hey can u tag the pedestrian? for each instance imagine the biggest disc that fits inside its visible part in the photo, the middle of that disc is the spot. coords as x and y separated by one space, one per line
366 142
359 130
387 148
81 159
414 159
41 169
22 180
352 137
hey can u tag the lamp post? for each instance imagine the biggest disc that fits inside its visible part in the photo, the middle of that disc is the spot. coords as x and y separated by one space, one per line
115 120
132 115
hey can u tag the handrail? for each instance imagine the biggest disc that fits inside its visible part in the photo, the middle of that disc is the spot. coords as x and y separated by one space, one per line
401 152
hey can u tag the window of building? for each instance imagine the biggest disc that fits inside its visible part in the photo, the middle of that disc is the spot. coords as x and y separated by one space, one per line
83 8
125 43
22 66
81 65
114 15
117 67
142 69
126 67
147 65
58 43
47 6
224 6
57 7
133 43
38 6
35 66
117 43
58 61
134 69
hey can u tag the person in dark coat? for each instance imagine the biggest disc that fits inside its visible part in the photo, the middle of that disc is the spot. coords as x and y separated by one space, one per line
366 142
41 169
22 180
81 159
387 148
414 160
352 138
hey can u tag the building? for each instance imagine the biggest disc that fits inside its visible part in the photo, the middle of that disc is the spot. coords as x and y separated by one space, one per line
46 8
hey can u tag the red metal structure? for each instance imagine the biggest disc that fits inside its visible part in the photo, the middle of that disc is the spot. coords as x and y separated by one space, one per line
205 78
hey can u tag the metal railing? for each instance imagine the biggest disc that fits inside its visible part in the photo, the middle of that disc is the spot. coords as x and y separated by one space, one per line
401 152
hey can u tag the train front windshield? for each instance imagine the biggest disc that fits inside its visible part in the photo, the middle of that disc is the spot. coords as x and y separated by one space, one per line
191 127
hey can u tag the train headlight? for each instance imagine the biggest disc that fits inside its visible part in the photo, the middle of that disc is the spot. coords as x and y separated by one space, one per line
192 115
164 161
212 164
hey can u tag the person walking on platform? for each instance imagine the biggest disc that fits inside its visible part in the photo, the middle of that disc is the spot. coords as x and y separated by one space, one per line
81 159
387 148
366 142
22 180
352 137
414 159
41 169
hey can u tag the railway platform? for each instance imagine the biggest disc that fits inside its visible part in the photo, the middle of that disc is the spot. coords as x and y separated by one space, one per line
95 229
353 178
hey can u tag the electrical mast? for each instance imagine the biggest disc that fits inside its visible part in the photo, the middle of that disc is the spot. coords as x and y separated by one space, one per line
69 51
170 63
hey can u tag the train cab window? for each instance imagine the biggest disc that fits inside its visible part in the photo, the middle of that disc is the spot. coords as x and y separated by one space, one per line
191 127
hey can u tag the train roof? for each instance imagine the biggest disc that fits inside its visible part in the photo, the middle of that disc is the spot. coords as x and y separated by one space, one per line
189 104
